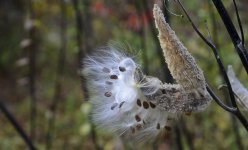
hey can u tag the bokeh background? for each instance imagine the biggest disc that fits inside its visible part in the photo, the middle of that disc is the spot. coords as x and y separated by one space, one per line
42 43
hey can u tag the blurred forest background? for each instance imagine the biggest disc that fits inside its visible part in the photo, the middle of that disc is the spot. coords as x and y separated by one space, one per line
42 43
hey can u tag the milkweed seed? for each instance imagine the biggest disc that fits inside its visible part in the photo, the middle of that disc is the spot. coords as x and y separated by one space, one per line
113 106
152 105
108 94
139 103
122 69
114 77
145 105
137 118
144 122
121 104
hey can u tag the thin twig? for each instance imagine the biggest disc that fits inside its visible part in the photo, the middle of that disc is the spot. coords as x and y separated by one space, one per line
17 126
187 134
219 102
241 50
215 51
84 35
142 36
178 138
237 134
236 112
81 53
32 72
59 75
240 23
214 24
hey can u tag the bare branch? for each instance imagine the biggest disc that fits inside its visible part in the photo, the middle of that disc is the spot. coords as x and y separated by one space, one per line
16 125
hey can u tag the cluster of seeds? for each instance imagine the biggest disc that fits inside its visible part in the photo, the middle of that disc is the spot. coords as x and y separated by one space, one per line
119 96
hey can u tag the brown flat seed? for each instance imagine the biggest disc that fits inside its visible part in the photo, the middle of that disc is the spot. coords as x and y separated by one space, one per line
167 128
122 69
152 105
158 126
139 102
113 106
108 94
139 126
132 129
114 77
137 118
106 70
121 104
145 105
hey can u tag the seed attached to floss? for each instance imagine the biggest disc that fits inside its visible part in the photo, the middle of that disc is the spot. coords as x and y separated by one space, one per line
144 122
121 104
122 69
145 105
114 105
139 102
137 118
114 77
152 105
108 94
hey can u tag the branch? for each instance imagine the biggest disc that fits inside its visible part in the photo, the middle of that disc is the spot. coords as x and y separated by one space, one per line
239 21
219 102
17 127
238 44
59 74
235 111
217 57
32 71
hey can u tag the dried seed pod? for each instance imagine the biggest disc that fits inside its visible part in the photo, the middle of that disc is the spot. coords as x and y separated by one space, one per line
183 68
181 64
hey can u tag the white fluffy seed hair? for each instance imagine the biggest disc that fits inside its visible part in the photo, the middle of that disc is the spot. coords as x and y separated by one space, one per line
119 105
127 102
238 88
